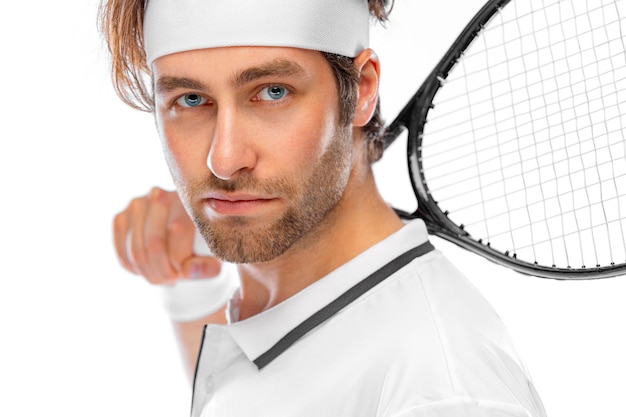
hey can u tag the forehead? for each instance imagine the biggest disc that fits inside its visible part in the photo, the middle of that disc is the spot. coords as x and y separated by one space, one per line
234 62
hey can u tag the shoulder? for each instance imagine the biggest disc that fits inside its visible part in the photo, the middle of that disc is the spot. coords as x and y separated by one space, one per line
453 346
431 292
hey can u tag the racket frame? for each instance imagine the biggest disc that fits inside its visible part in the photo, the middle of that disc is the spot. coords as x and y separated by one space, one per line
413 118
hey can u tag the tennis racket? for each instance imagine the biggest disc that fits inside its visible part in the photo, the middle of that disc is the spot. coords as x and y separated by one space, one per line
516 140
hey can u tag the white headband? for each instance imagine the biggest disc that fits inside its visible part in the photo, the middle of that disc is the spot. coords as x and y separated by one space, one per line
336 26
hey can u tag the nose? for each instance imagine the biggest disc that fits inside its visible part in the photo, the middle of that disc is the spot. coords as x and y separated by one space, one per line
231 151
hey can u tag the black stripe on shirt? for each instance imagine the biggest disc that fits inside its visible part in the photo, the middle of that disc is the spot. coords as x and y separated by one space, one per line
341 302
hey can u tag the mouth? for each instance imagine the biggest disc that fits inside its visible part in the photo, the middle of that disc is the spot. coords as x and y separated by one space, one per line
237 204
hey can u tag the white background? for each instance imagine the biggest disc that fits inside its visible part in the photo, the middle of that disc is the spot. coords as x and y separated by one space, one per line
79 336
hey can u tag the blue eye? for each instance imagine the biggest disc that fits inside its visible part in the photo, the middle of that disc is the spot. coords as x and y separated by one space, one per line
272 93
191 100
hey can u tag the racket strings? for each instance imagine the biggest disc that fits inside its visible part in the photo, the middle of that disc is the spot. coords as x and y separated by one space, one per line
516 246
476 159
550 239
524 89
563 16
557 197
486 137
586 185
525 141
513 179
543 153
619 208
536 50
549 48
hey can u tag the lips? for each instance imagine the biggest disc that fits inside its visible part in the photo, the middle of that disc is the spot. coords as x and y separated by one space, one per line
236 204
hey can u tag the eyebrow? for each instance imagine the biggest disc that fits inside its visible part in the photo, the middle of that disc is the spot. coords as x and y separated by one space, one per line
276 68
168 84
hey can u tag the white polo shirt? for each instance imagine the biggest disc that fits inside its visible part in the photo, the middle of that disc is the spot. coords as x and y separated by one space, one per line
421 342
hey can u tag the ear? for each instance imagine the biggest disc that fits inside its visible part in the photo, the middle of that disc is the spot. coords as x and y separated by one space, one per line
368 68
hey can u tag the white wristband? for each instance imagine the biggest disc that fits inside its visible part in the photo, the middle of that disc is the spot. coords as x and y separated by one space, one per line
189 300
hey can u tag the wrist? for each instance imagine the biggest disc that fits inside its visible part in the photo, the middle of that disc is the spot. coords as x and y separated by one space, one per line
189 300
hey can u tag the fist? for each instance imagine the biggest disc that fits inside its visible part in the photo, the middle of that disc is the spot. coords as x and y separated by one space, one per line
154 237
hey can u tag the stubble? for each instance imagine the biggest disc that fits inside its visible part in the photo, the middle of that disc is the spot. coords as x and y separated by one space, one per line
238 239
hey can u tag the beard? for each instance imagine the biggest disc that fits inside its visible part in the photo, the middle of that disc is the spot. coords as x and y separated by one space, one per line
238 239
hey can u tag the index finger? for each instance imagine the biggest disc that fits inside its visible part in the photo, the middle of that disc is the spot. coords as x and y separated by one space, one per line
155 236
120 235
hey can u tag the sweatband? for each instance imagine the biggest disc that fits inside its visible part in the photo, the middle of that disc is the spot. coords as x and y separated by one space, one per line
335 26
192 299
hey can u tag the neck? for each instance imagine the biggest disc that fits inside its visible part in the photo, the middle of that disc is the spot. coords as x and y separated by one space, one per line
360 220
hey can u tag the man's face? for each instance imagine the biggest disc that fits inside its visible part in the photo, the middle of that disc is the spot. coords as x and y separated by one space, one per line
252 140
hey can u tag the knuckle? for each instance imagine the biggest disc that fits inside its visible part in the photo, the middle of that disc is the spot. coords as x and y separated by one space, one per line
155 245
119 221
160 196
135 201
156 195
136 204
177 225
137 256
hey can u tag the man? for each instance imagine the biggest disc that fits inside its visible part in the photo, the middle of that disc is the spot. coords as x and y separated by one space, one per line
267 112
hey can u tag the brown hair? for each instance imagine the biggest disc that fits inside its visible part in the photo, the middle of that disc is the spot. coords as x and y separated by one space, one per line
121 23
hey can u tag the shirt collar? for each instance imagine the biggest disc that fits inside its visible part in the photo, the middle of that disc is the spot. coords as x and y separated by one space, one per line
257 334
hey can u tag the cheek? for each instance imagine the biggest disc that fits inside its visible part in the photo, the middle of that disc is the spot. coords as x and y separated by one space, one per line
311 134
183 147
173 162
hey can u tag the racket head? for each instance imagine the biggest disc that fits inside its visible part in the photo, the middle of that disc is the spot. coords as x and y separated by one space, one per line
446 218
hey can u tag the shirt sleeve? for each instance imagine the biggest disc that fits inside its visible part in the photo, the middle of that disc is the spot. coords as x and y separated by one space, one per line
465 407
